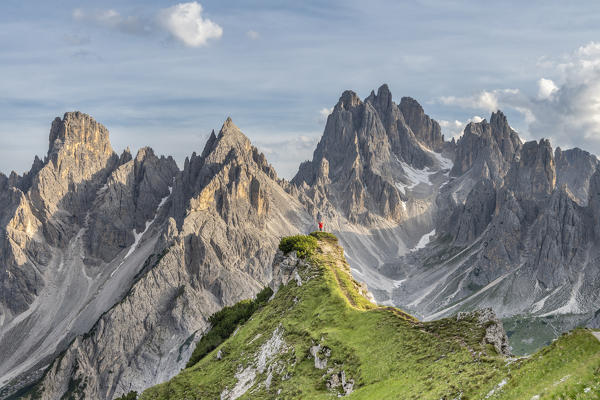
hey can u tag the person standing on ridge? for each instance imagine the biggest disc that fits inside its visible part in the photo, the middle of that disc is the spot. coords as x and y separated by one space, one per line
321 226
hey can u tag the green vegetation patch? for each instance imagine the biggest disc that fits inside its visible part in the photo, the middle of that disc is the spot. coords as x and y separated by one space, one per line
224 323
303 245
324 236
129 396
569 368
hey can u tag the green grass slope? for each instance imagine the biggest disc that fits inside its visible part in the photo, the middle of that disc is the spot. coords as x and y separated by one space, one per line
319 338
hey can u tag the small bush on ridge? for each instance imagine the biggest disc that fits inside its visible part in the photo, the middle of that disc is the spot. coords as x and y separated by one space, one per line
303 245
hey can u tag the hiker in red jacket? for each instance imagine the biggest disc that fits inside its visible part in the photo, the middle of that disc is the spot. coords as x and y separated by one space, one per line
321 226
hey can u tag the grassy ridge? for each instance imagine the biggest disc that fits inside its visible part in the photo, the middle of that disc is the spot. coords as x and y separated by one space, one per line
387 353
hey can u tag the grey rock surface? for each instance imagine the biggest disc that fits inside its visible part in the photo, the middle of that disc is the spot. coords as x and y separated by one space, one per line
574 168
494 331
70 247
221 228
486 149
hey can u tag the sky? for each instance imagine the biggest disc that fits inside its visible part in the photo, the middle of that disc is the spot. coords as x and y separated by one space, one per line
165 73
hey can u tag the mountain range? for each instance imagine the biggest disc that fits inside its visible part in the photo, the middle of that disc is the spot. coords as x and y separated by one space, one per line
111 265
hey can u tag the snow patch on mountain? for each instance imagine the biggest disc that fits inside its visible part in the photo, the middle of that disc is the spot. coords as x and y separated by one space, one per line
425 239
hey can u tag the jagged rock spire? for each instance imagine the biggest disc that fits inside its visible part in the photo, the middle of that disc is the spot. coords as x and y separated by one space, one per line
425 129
487 147
77 128
534 174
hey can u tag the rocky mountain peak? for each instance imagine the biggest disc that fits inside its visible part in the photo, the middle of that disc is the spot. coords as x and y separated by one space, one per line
574 168
218 147
77 131
348 100
493 145
382 101
231 140
228 126
125 156
143 153
363 145
229 174
231 135
427 130
534 174
498 120
80 158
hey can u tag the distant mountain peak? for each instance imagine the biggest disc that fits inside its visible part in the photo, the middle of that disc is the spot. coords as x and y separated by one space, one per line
348 100
494 144
77 127
498 118
382 101
230 131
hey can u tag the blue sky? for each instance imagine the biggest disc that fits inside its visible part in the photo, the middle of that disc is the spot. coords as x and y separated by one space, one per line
164 73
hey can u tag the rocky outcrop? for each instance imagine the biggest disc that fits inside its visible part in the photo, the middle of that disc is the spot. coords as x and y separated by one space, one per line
494 331
285 268
534 174
574 168
426 130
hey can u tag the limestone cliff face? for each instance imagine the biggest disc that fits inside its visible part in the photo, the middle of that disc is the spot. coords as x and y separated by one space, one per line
427 130
533 175
594 201
127 203
64 226
221 228
19 279
47 206
574 168
79 160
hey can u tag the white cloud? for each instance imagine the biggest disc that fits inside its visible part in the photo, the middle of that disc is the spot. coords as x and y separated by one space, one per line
592 49
488 100
565 108
112 19
253 35
454 129
485 100
324 113
546 88
182 21
185 22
